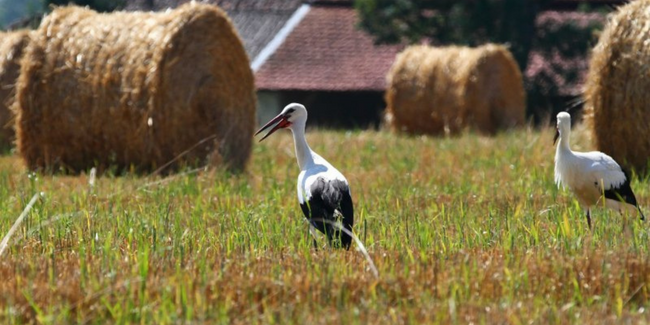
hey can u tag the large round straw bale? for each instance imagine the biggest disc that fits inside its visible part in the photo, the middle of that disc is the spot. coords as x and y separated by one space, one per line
135 90
443 90
617 96
12 45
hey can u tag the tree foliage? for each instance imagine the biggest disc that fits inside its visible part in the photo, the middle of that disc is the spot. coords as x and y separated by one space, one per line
470 22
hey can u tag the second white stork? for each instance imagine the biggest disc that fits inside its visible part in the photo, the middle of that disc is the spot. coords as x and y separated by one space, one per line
591 176
323 192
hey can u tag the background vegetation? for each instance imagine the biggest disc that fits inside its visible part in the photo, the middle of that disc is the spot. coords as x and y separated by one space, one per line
476 22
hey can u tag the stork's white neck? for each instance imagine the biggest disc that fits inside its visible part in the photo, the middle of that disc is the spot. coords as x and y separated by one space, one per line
303 152
563 145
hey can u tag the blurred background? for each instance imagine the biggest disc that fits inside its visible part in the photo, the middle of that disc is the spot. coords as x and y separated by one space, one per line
334 55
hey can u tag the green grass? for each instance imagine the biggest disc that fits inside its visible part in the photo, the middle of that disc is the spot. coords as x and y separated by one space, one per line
467 229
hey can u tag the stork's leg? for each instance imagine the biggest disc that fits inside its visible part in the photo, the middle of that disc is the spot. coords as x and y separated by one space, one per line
311 236
589 218
641 213
331 236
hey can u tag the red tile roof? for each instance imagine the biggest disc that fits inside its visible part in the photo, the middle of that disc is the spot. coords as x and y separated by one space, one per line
326 51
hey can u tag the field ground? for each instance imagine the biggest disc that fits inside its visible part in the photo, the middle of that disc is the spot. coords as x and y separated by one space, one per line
461 230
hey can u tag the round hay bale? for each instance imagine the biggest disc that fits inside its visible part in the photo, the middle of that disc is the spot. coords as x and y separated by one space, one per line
135 90
443 90
12 45
617 100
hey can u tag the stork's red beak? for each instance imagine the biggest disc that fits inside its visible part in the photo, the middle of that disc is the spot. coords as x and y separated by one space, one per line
281 121
557 135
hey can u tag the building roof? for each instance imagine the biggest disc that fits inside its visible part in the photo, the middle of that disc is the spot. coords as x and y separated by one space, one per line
256 21
257 28
327 51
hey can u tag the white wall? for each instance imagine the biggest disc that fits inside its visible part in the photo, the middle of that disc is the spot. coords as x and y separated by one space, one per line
268 106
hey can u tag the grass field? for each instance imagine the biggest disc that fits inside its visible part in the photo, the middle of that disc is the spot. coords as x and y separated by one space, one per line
462 230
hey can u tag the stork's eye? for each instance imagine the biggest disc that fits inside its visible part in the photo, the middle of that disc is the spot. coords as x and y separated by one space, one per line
291 110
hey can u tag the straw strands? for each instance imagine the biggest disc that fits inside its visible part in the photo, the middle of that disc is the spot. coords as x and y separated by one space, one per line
617 101
443 90
12 45
135 90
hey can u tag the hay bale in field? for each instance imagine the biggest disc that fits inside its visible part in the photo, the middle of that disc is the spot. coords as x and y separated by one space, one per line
443 90
135 90
617 101
12 45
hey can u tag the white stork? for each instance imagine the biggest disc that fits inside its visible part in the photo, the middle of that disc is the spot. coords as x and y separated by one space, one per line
323 192
591 176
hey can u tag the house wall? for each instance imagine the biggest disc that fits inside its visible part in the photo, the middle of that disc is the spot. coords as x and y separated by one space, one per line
269 104
327 109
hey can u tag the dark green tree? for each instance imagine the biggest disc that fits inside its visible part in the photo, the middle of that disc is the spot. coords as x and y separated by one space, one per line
12 11
469 22
99 5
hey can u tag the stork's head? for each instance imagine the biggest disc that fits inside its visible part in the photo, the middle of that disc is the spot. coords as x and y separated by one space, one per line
563 125
293 113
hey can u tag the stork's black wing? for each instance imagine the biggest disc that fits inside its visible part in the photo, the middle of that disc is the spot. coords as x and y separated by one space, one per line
327 198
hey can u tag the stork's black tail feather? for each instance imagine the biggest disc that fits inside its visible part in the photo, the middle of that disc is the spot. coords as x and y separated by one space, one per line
636 204
624 193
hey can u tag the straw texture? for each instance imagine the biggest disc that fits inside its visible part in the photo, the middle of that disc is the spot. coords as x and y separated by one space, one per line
444 90
617 96
135 90
12 46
